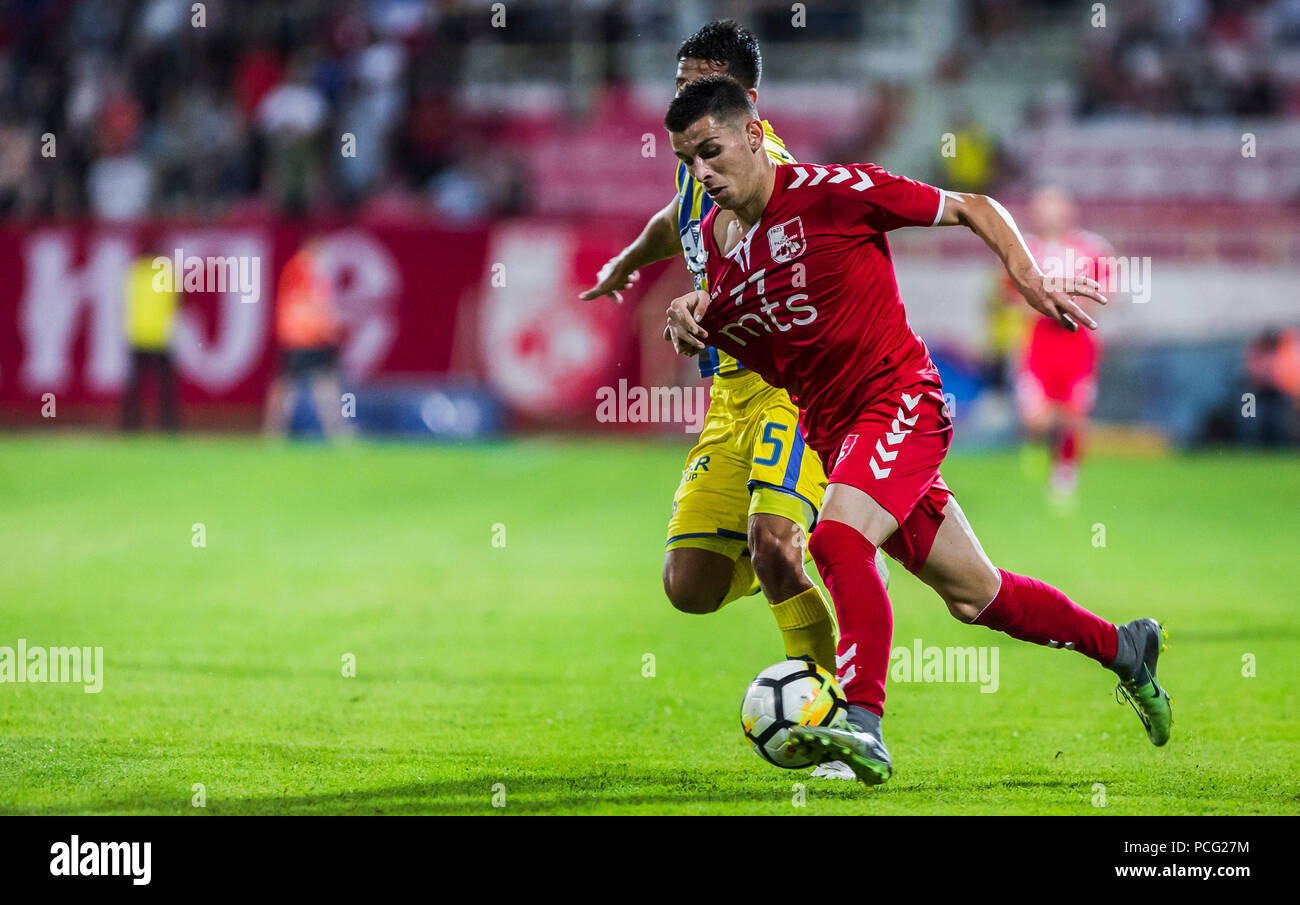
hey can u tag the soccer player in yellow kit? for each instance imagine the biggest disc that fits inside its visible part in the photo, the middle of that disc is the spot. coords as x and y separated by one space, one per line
751 488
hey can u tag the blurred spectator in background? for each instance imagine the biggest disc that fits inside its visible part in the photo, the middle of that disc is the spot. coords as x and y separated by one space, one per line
1273 366
1007 329
17 156
155 116
307 331
477 186
291 118
150 317
119 184
371 111
1189 57
972 160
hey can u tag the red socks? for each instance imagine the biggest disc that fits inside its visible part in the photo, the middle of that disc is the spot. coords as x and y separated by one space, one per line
847 563
1067 449
1029 610
1025 608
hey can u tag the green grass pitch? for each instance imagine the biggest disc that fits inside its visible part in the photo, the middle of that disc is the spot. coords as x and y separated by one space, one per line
516 673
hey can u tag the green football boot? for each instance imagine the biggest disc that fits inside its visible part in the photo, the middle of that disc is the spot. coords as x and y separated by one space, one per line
1149 700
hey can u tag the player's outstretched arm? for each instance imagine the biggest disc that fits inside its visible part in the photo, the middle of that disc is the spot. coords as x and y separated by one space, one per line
657 241
1052 296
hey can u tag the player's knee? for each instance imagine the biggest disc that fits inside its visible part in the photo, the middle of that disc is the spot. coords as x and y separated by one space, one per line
819 547
963 610
691 592
967 598
777 556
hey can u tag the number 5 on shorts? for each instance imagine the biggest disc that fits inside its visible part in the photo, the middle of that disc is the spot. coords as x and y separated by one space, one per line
776 443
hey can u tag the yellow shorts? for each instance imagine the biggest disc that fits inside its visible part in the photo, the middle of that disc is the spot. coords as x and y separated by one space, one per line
750 458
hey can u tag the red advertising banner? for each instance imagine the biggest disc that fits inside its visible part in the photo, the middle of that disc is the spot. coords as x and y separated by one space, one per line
495 305
62 310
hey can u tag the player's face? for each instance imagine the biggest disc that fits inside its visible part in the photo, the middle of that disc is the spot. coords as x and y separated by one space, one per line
720 156
1051 212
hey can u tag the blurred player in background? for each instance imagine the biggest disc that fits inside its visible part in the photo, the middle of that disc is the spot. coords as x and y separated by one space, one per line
307 329
150 318
1056 376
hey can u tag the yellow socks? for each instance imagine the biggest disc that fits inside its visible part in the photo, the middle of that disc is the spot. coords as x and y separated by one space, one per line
743 581
804 620
807 628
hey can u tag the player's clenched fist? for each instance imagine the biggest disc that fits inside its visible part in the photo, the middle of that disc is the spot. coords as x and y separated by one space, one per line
1055 297
684 315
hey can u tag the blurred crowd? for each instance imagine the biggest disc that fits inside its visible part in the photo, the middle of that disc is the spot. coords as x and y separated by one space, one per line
121 108
1195 58
118 109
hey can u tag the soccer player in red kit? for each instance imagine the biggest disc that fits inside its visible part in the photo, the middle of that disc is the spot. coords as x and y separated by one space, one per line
1056 382
802 290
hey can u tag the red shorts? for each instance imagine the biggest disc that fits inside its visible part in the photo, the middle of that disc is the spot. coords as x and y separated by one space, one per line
1059 367
893 454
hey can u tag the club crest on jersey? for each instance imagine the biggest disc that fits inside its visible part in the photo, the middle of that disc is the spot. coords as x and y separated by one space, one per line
786 241
847 446
696 256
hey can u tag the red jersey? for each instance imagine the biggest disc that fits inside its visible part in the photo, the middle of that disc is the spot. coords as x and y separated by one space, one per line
1078 253
1058 358
808 298
1081 254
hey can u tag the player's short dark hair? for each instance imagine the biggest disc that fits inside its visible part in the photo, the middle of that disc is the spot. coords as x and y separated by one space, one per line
726 41
719 96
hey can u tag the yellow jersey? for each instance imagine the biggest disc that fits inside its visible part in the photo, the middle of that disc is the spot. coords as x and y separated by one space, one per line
692 205
150 312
